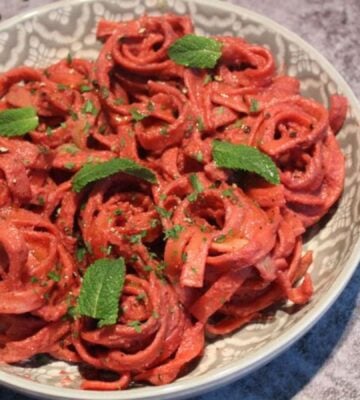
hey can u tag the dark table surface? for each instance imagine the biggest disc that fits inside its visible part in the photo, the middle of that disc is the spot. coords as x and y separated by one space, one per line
325 363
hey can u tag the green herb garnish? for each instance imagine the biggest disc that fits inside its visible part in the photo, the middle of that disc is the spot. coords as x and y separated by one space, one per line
18 121
105 92
197 186
200 124
61 87
69 59
119 101
199 156
246 158
140 297
73 115
254 106
208 78
69 165
136 115
80 253
49 131
136 325
71 149
195 51
41 200
173 233
56 277
220 239
163 212
89 108
135 239
93 172
85 88
101 289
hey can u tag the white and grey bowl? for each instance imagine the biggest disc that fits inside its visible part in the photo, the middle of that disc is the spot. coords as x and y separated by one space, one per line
45 35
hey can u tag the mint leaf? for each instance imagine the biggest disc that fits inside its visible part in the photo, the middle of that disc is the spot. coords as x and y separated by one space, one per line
18 121
93 172
246 158
100 291
195 51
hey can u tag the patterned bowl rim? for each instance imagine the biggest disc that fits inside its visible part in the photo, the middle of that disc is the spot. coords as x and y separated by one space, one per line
235 369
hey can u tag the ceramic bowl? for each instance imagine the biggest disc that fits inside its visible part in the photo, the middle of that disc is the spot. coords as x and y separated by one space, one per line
49 33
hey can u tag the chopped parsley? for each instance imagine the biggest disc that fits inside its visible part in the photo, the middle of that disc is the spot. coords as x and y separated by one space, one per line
69 165
220 239
119 101
89 108
136 115
220 110
69 59
105 92
80 253
55 276
140 297
61 87
41 200
163 212
184 257
102 129
159 271
106 250
154 223
133 239
208 78
85 88
164 130
197 186
200 124
229 192
173 233
49 131
239 123
87 127
199 156
136 325
73 115
71 149
254 106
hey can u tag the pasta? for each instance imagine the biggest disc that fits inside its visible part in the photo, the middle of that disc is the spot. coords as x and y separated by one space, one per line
207 249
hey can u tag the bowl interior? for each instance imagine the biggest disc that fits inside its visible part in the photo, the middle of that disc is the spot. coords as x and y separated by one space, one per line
44 37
